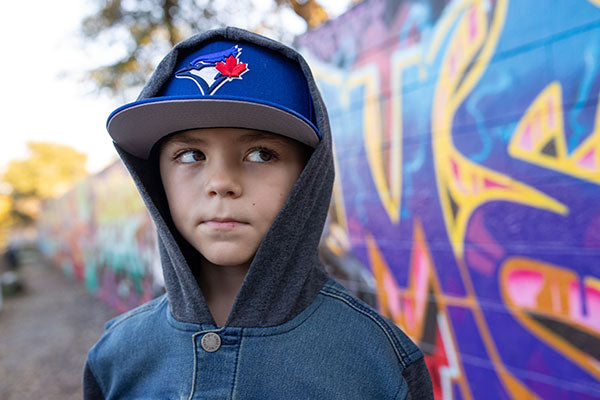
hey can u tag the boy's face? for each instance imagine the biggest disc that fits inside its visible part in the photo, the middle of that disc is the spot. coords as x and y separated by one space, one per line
226 185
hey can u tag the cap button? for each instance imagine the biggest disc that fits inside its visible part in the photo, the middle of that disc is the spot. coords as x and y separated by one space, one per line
211 342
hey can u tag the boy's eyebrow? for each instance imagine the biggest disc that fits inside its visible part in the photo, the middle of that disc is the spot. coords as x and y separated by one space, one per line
184 139
246 138
256 136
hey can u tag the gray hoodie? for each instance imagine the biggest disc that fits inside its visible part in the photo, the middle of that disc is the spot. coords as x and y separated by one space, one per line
286 273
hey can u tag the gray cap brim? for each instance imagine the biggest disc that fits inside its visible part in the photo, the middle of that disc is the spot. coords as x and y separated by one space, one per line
138 126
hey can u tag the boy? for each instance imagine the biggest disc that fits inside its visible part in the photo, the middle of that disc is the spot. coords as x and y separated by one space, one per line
229 145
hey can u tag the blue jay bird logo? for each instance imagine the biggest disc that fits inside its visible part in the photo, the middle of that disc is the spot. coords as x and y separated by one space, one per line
211 71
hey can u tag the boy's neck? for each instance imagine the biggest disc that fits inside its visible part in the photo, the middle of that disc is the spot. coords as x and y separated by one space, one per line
220 285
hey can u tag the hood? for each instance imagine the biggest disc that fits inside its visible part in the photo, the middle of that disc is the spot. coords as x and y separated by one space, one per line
286 273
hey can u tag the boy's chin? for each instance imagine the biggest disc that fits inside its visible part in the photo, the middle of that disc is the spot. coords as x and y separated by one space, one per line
230 261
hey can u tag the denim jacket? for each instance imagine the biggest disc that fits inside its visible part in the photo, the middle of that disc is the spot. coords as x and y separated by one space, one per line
337 348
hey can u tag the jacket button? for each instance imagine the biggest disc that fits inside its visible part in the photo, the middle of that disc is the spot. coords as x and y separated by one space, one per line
211 342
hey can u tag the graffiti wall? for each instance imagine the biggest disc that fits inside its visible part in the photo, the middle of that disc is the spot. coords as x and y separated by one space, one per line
467 139
102 234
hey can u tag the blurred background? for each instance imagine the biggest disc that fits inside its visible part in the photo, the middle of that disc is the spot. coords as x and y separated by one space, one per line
466 205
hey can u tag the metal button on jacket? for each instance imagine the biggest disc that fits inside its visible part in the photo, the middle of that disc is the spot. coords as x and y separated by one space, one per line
211 342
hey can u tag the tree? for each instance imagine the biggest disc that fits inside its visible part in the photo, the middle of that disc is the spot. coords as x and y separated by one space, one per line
143 30
49 171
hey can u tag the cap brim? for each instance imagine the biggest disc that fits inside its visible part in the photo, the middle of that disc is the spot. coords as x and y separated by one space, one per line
136 127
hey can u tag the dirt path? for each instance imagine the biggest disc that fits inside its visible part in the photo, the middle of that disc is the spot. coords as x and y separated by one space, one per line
45 334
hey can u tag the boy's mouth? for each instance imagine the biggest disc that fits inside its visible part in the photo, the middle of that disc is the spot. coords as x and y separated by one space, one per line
223 223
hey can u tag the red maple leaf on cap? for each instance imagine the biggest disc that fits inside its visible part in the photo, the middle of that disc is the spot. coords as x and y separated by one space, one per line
230 68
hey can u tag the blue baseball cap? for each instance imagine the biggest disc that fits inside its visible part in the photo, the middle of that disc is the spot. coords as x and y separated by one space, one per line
222 84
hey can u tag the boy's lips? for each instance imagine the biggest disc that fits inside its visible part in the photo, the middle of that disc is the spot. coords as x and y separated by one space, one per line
223 223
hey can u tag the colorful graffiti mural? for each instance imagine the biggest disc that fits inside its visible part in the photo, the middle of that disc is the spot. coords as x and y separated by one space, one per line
467 139
101 233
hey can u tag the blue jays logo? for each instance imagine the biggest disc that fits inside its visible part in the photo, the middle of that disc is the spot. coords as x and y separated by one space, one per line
211 71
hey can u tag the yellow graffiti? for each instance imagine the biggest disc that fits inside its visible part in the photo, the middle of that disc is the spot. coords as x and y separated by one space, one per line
384 154
374 139
540 138
463 185
442 29
324 73
530 287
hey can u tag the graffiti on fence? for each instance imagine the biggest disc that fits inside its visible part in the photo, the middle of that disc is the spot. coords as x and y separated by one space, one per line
101 233
467 140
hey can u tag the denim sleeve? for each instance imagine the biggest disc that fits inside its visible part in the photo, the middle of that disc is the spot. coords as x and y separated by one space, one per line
91 389
418 381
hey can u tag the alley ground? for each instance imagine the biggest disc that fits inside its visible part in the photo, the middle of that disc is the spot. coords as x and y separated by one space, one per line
45 334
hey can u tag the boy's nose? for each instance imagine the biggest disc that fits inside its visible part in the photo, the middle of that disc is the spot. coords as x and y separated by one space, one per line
223 184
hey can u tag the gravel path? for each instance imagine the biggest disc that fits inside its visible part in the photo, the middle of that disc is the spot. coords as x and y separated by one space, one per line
45 334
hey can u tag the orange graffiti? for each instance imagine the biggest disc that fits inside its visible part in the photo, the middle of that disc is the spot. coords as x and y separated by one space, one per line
409 308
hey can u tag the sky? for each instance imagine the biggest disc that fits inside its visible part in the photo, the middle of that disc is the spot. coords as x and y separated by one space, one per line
39 46
40 78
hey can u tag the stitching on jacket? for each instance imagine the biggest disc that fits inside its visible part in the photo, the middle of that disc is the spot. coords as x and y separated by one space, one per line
400 351
398 355
146 307
195 364
236 365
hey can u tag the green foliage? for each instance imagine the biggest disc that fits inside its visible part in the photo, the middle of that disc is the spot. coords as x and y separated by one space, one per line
48 172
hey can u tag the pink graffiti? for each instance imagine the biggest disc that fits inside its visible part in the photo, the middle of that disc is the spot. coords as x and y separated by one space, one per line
485 251
588 161
472 24
526 141
524 286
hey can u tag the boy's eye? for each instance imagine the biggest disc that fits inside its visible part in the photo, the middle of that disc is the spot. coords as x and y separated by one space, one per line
261 155
191 156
